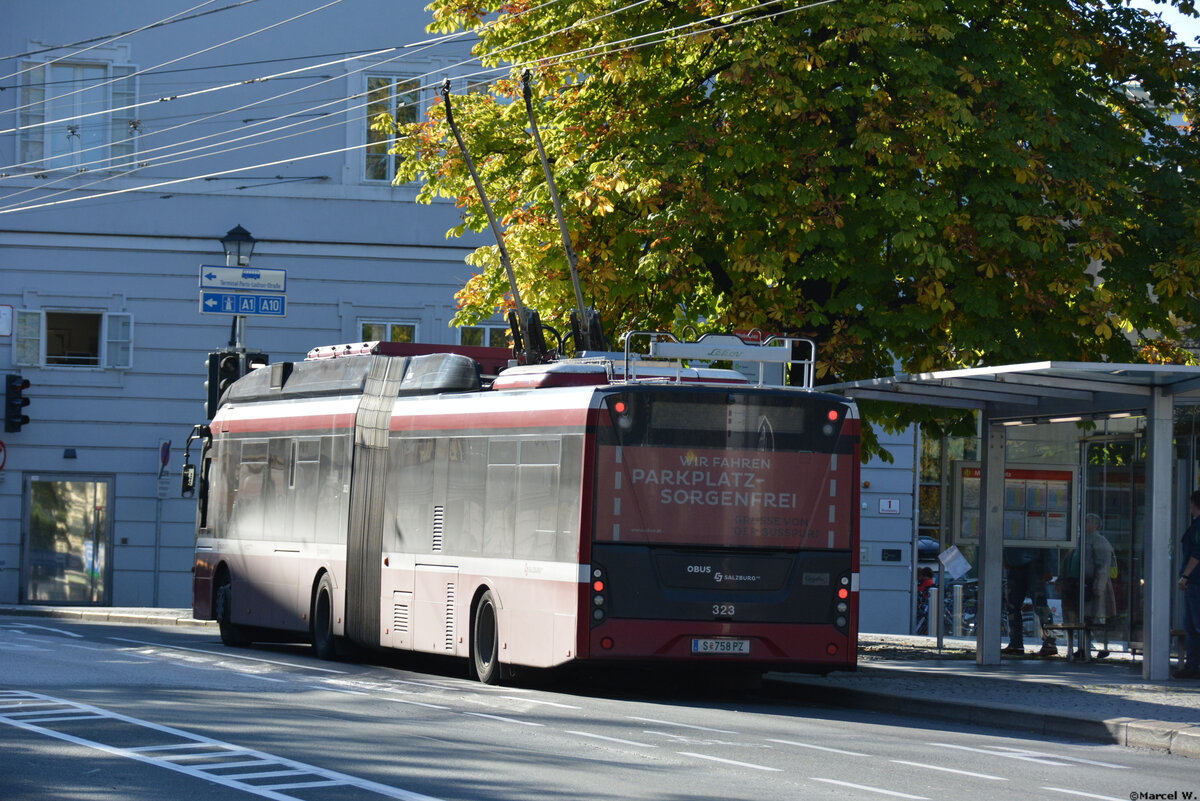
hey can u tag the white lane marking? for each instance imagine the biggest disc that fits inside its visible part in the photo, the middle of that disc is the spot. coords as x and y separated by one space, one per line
502 719
47 628
226 655
1027 752
262 678
819 748
1084 795
680 725
867 789
990 752
612 739
543 703
196 741
730 761
413 703
950 770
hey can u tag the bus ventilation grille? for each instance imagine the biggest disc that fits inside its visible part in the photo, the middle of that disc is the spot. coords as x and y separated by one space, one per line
450 616
439 518
400 618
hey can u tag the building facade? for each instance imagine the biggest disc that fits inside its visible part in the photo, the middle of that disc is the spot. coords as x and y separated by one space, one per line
125 160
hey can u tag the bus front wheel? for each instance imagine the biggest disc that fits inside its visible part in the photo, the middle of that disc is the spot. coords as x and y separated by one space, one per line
323 644
232 634
485 641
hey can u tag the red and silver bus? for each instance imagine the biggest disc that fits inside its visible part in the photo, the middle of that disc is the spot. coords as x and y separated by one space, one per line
580 510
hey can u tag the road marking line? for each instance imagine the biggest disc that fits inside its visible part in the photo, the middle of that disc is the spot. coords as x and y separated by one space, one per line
322 776
679 725
819 748
226 655
59 718
611 739
302 785
1027 752
414 703
950 770
730 761
1085 795
865 788
47 628
990 752
502 718
543 703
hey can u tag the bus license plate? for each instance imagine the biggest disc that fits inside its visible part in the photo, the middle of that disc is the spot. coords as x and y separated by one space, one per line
720 646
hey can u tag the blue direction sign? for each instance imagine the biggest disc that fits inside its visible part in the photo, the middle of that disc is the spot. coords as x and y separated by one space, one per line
243 303
242 279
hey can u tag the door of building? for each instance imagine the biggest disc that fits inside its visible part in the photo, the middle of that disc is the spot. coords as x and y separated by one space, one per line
67 539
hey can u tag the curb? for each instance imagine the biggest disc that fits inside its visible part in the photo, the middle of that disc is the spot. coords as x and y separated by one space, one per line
102 615
1180 739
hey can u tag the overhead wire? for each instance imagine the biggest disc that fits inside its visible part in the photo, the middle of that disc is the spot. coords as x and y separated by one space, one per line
428 44
570 57
176 60
100 41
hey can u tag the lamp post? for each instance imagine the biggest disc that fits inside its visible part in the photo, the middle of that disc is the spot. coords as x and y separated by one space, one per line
239 246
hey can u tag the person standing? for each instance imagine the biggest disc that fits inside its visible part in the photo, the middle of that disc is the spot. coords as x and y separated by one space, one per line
1189 582
1027 577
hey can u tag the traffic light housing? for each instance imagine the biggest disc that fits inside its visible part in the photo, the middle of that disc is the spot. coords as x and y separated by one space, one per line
15 402
225 367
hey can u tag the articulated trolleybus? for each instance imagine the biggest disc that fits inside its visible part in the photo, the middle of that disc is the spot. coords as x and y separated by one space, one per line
599 510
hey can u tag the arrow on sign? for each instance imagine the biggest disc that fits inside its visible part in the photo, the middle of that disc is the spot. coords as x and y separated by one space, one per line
210 301
210 276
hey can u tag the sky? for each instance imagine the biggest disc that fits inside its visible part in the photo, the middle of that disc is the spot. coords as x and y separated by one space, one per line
1186 28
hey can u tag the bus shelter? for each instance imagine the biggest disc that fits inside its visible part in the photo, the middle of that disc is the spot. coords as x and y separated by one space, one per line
1022 394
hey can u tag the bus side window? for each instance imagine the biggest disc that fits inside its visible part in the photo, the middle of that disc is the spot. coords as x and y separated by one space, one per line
501 497
202 489
466 492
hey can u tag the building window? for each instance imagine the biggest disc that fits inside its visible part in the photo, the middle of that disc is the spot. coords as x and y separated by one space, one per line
73 338
399 97
75 115
492 336
382 331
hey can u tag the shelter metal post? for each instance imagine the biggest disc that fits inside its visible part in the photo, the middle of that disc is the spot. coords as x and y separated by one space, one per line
991 543
1156 625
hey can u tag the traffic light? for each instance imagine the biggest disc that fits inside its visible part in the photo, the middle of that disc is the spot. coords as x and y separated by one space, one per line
224 367
15 402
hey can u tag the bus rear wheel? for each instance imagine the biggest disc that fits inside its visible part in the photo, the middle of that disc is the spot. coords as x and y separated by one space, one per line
232 634
324 644
485 641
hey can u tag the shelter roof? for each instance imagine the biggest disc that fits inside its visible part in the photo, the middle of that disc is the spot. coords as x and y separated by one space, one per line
1035 390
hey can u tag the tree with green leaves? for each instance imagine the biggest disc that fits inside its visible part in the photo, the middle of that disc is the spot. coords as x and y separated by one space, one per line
921 184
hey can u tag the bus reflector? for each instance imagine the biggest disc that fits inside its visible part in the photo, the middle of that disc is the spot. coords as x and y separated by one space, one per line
606 643
843 593
598 586
831 649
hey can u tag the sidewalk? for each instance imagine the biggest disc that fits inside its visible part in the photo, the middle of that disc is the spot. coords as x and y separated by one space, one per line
1104 701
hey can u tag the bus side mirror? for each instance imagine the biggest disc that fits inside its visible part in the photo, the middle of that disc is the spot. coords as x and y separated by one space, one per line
188 490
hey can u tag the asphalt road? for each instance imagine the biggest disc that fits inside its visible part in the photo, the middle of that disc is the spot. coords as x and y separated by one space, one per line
96 711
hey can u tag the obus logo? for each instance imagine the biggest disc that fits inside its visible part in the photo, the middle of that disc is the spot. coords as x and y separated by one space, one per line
699 568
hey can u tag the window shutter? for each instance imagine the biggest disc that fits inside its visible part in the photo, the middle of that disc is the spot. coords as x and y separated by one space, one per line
118 341
27 344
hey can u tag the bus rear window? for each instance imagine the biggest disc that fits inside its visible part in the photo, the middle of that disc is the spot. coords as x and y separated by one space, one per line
714 468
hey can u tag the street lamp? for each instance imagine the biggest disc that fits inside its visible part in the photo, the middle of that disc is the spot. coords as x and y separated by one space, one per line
239 245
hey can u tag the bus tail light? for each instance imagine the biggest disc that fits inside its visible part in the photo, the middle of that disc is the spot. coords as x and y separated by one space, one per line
607 643
841 604
599 595
831 649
